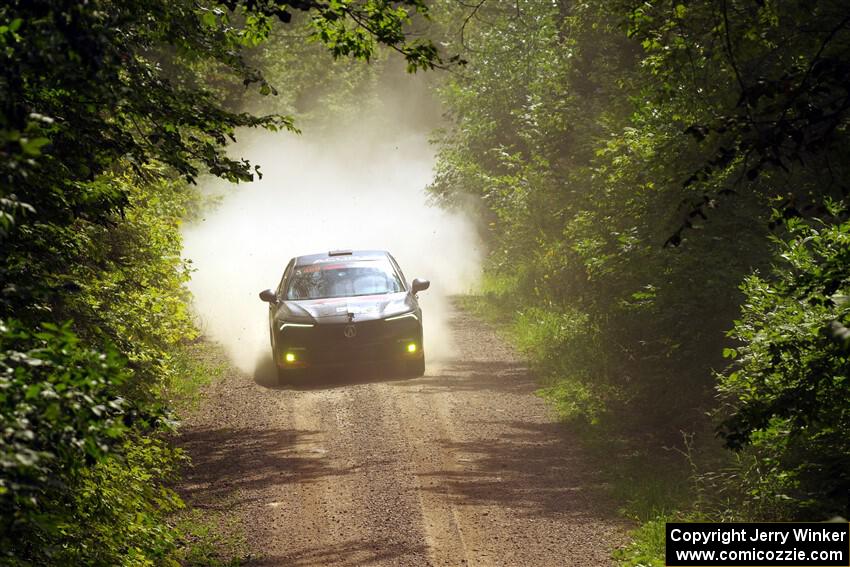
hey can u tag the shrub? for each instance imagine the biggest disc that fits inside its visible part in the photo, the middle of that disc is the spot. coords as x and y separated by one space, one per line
787 396
59 415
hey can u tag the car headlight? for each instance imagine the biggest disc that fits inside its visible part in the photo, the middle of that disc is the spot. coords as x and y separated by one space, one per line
285 324
410 315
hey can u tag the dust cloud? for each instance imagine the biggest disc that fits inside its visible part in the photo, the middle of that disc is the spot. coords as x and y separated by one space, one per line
362 186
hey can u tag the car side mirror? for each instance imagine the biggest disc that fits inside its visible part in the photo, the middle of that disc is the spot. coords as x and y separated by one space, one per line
418 285
268 296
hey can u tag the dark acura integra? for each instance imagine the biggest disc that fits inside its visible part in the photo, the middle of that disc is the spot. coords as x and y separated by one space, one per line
345 308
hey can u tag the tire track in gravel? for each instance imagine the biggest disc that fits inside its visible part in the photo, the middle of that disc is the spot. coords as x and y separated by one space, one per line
464 466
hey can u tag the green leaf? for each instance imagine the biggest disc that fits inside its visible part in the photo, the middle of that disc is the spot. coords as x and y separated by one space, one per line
209 19
32 146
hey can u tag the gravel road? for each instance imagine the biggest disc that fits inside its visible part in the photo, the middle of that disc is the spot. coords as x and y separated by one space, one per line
464 466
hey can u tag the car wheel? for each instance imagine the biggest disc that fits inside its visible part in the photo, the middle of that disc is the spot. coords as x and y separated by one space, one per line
292 376
285 377
416 368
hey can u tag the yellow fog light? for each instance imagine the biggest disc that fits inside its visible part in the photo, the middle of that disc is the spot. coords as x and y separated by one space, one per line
290 357
411 347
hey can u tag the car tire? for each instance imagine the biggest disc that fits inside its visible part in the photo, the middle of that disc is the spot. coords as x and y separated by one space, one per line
282 376
415 368
290 377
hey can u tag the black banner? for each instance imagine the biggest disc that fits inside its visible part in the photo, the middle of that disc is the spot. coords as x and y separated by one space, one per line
801 544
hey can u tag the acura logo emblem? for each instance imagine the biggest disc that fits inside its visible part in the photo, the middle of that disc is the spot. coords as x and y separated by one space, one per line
350 331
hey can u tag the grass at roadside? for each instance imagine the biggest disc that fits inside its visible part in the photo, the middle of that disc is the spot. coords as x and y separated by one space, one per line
651 484
208 537
196 365
211 538
647 546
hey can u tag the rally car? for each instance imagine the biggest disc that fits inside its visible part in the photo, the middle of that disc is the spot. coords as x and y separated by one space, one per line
345 308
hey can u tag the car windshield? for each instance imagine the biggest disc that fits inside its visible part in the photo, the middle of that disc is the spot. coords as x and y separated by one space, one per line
320 281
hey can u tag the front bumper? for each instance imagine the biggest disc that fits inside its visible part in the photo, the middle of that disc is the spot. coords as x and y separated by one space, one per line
348 344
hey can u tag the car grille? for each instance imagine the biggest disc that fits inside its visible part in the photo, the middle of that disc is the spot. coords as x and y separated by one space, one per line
372 340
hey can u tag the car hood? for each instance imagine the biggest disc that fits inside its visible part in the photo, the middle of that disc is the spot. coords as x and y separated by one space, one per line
340 309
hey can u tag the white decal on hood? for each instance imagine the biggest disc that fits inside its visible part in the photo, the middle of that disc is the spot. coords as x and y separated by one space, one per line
357 309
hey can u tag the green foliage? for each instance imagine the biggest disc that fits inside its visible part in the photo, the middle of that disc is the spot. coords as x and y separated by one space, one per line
324 89
767 82
787 397
578 182
73 490
120 508
210 538
192 366
647 546
356 28
565 349
57 413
